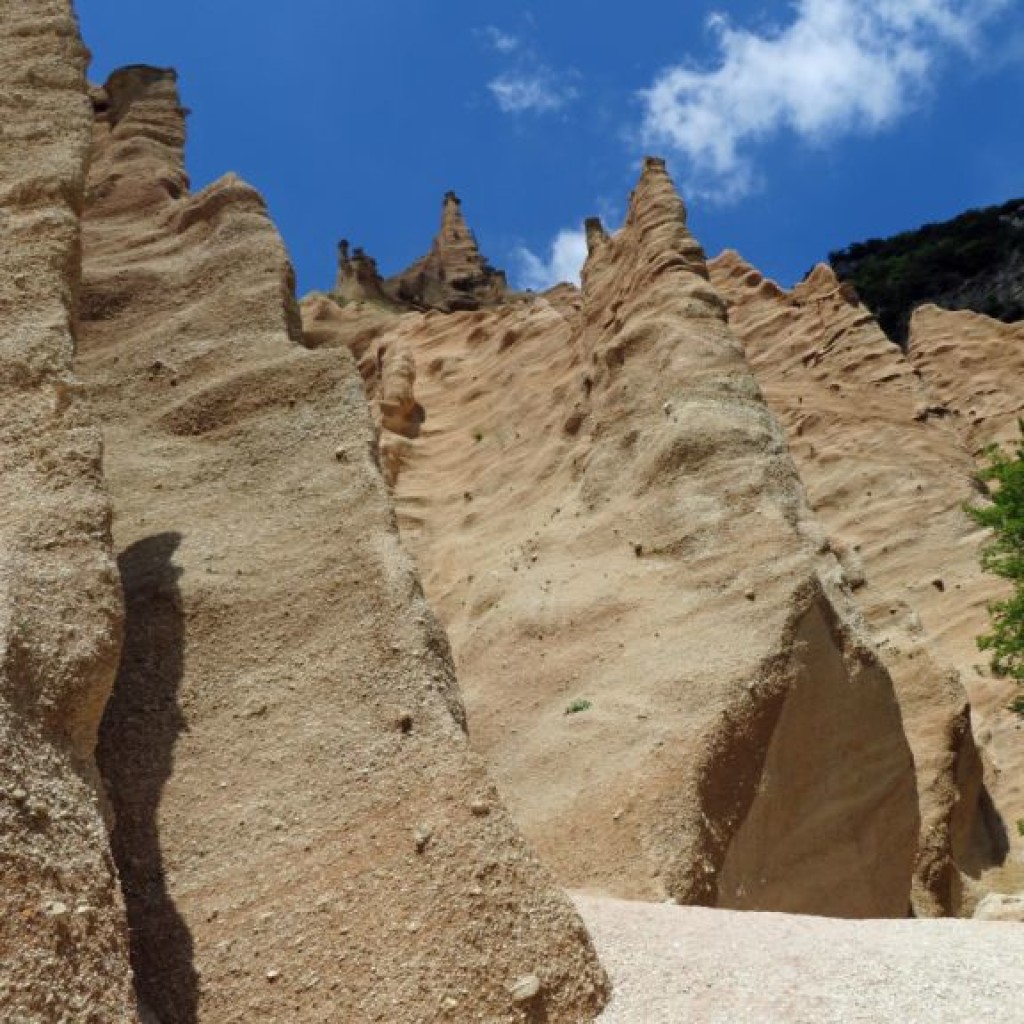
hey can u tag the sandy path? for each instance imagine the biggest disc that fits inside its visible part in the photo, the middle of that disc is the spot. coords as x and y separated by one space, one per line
671 965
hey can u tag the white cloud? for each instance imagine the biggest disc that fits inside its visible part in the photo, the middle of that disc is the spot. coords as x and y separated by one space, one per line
840 67
567 255
503 42
538 91
525 83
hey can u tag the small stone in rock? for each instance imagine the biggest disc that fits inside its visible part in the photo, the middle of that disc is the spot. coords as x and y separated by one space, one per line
422 836
526 988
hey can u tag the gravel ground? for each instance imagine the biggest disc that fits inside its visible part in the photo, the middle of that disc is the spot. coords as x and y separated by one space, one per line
672 965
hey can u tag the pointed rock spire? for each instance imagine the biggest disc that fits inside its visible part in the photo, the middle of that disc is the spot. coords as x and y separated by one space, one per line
654 243
454 275
596 234
141 105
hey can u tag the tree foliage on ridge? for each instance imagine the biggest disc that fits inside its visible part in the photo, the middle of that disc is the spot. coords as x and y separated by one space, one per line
974 261
1003 555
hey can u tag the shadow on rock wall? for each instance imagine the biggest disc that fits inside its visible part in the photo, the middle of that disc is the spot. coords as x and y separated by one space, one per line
135 755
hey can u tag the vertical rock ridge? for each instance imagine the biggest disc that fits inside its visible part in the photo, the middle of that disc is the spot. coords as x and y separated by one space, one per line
973 367
285 746
63 936
887 475
655 333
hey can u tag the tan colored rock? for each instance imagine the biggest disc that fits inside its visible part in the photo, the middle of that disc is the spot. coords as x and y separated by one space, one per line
63 936
285 747
358 278
401 416
596 493
388 368
974 367
400 412
453 275
356 327
889 486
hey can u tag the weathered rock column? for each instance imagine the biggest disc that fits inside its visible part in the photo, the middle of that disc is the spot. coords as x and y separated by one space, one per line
63 935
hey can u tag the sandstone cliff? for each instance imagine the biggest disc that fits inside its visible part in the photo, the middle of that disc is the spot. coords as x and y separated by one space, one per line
698 544
609 523
888 476
63 935
302 830
973 365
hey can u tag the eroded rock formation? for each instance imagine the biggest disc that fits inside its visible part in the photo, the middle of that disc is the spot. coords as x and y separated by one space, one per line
358 279
63 935
608 521
974 366
664 663
888 476
453 275
302 830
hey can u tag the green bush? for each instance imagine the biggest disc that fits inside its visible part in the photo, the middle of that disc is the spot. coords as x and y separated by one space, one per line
1003 555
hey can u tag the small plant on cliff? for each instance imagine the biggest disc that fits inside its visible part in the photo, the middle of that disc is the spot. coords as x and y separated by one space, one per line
1003 555
578 705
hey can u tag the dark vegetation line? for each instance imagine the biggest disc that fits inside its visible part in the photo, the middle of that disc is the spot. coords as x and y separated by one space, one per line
974 261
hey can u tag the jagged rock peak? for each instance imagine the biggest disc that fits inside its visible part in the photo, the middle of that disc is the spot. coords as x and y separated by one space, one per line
654 240
595 232
822 282
138 122
656 191
128 85
454 275
358 277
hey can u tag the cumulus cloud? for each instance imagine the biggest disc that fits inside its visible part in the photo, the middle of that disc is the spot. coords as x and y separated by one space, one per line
839 67
538 91
568 253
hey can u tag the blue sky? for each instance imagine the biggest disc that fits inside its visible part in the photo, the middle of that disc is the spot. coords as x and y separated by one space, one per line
792 128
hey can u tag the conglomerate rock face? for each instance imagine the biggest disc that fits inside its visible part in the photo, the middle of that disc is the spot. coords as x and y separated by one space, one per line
660 661
63 934
888 475
302 830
